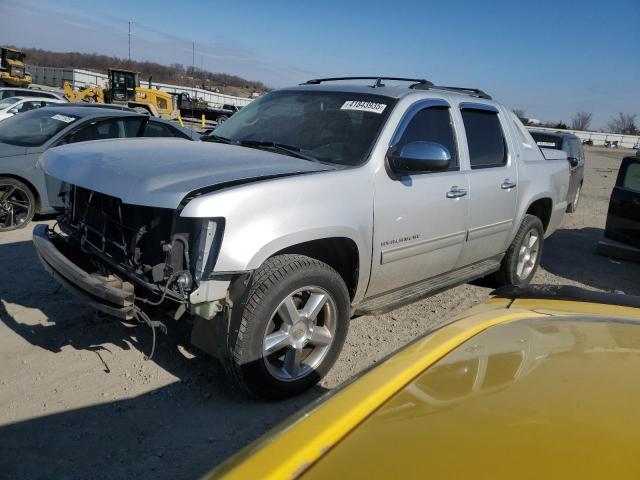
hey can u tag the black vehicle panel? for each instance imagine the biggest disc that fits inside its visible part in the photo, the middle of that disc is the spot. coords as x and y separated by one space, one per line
623 218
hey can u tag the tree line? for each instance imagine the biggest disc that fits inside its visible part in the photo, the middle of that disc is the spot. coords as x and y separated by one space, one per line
174 73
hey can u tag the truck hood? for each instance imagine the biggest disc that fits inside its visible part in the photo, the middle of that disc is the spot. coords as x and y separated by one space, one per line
162 172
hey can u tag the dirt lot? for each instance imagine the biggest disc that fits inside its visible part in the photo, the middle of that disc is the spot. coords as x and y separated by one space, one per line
77 400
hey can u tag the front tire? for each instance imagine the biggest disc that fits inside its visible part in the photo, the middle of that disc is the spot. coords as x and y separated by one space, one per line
521 261
17 204
294 322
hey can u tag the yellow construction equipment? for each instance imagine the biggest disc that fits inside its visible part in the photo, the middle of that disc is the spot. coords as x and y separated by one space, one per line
89 94
124 88
13 71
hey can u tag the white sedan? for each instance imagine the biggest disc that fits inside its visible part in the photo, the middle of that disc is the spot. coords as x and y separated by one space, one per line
13 105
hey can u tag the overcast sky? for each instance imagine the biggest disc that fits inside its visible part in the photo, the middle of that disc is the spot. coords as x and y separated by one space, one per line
550 58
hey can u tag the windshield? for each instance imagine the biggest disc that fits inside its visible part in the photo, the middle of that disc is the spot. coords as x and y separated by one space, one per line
33 128
332 127
7 102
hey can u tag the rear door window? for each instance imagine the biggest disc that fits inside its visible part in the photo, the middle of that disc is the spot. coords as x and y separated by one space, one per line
487 145
132 127
156 129
107 129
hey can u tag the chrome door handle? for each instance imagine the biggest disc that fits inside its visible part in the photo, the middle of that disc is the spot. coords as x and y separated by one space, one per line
508 184
456 192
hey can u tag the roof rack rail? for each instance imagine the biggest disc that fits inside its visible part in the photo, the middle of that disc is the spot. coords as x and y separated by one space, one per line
377 83
416 83
474 92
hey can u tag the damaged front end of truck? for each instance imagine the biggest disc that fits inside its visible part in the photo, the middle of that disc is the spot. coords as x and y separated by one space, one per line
121 258
122 243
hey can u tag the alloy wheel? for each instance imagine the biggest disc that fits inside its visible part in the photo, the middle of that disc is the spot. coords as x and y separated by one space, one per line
528 254
299 333
15 206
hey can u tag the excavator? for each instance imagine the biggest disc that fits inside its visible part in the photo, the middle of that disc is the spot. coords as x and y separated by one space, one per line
13 71
123 87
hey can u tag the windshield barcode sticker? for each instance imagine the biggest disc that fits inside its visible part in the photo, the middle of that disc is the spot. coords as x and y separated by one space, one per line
363 106
546 144
63 118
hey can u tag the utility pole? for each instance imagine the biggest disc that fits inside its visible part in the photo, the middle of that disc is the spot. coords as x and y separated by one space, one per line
129 41
193 65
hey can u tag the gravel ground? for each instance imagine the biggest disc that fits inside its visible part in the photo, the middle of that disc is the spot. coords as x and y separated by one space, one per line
77 400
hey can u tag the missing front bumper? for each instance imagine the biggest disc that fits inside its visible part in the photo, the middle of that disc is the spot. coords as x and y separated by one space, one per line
106 294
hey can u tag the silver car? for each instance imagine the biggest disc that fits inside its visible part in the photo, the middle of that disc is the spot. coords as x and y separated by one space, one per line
310 205
24 189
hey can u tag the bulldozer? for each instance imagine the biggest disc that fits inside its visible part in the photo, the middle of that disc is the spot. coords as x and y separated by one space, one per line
123 87
13 71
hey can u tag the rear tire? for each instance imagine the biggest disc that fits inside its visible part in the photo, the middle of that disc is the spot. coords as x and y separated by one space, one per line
573 206
17 204
521 261
293 324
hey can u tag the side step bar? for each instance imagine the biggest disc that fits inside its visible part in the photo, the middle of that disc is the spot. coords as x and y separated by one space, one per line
388 301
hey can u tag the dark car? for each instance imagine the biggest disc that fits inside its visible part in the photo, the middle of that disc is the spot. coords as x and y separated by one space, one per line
24 188
623 218
571 144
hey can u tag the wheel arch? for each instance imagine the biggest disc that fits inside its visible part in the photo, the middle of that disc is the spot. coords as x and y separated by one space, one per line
339 250
340 253
541 208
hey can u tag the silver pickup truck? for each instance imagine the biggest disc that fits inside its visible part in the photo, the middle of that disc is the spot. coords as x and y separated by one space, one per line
311 205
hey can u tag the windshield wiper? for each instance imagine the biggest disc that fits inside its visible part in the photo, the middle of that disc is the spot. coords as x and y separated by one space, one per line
215 138
278 147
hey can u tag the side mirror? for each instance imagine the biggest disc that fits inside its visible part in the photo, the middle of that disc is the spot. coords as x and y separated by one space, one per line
573 161
419 157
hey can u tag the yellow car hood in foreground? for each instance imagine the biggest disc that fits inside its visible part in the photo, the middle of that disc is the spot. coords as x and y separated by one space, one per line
541 389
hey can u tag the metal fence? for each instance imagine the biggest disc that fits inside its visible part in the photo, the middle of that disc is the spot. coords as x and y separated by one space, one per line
55 77
599 138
